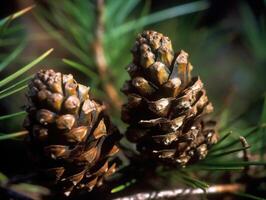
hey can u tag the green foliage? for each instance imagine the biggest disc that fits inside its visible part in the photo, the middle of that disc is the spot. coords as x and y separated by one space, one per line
15 82
156 17
10 31
121 26
255 33
10 85
13 55
24 69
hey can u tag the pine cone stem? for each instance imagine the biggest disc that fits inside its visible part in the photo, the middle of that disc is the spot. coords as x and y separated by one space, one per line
100 58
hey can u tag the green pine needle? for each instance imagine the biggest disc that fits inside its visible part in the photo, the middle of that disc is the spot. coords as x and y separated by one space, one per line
64 42
215 168
16 15
4 23
4 117
159 16
3 178
9 41
24 69
263 130
15 85
195 182
220 141
91 74
127 8
6 94
263 114
13 55
246 133
234 163
5 136
213 156
123 186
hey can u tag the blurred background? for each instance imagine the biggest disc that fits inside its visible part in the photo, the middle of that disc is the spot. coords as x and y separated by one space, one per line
226 41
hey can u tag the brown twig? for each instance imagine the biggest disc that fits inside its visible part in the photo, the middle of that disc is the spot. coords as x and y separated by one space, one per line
246 154
165 194
100 57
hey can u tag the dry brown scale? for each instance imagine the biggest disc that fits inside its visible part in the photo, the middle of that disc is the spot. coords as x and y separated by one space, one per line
71 138
166 107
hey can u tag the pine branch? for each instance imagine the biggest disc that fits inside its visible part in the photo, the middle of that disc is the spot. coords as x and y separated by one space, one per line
100 57
246 154
181 192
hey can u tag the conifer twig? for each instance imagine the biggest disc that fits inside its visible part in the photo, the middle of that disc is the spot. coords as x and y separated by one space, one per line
181 192
100 58
246 154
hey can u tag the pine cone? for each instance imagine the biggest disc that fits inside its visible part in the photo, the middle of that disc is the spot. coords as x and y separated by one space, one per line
71 138
166 107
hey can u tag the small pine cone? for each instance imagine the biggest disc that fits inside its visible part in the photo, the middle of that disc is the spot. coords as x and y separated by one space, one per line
70 137
166 107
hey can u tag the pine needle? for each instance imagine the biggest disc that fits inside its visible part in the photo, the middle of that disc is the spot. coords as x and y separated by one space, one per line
5 136
17 14
15 85
213 156
159 16
234 163
123 186
91 74
13 55
4 117
24 69
215 168
12 92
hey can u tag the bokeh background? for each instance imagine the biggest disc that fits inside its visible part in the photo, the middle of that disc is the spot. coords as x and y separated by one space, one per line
226 41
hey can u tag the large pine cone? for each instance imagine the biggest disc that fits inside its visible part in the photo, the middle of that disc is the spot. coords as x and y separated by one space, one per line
166 107
70 136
